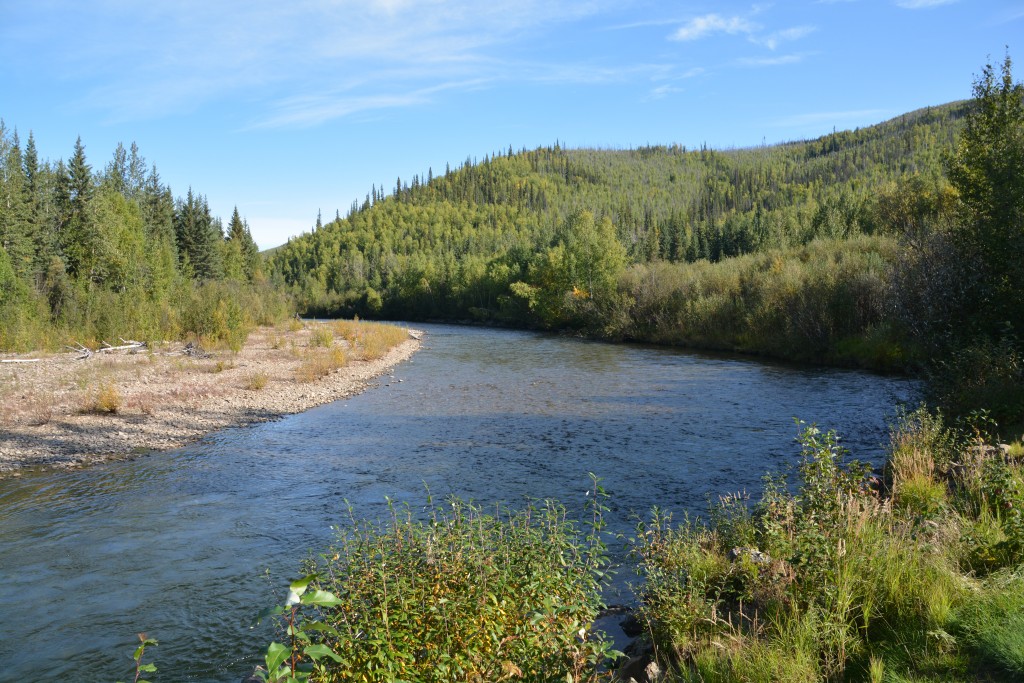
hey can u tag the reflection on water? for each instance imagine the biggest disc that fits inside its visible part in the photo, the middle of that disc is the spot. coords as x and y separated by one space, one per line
190 545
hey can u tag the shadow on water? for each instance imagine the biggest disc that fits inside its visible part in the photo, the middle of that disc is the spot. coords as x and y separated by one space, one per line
191 544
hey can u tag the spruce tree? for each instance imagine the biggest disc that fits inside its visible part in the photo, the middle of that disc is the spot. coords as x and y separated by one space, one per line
15 218
78 238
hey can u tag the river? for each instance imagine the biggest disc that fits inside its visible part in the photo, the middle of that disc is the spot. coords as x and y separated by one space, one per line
190 545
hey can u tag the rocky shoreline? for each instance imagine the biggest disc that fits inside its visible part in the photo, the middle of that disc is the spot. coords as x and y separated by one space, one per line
63 410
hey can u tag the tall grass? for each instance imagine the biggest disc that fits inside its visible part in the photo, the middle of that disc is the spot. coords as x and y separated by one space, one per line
845 576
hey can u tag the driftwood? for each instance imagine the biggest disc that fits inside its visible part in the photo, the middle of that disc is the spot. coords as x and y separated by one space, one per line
126 345
82 351
85 352
20 360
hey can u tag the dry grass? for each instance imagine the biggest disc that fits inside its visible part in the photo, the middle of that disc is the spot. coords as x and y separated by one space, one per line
319 364
145 384
369 341
106 399
321 337
257 381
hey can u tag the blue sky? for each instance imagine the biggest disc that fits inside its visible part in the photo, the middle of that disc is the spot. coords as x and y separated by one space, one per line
287 108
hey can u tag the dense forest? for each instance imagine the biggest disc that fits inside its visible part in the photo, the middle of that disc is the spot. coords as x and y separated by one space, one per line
661 244
95 256
450 246
859 247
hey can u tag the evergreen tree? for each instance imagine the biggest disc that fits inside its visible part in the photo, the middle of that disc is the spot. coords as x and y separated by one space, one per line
116 173
987 171
78 237
16 229
241 255
136 180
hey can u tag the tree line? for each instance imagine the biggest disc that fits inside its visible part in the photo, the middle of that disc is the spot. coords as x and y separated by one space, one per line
888 247
480 242
97 255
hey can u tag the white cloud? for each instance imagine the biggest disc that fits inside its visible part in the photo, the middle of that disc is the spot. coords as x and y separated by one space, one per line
156 59
923 4
663 91
709 24
771 61
773 40
712 24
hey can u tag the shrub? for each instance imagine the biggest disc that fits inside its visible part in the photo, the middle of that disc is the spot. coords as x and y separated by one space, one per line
257 381
320 363
321 337
370 341
810 581
461 595
106 400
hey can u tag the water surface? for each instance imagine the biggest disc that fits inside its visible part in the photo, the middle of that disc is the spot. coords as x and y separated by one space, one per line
190 545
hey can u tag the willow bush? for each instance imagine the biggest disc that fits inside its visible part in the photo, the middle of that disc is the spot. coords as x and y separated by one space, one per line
459 594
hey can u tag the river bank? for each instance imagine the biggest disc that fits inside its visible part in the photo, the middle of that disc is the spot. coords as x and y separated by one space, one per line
63 410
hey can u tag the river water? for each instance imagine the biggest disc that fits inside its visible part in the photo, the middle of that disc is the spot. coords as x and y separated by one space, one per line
190 545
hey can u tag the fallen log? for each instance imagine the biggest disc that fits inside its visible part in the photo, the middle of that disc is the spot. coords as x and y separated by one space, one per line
20 360
82 351
127 346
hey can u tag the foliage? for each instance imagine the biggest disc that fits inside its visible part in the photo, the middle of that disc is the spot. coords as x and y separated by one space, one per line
840 579
538 237
959 282
822 301
986 170
88 256
991 624
459 594
141 668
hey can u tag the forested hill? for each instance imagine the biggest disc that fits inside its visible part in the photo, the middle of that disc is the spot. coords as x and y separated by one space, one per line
453 245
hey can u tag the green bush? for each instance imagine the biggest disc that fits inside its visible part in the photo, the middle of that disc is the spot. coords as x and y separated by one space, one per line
462 595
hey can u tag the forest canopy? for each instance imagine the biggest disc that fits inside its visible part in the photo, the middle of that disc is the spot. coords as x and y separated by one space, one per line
97 255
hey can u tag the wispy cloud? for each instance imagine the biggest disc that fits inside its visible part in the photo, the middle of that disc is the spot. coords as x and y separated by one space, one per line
663 91
922 4
311 110
781 60
773 40
710 24
155 59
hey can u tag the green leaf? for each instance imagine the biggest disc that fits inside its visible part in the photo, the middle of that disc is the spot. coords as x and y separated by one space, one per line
318 652
321 598
320 627
299 585
147 668
297 588
276 656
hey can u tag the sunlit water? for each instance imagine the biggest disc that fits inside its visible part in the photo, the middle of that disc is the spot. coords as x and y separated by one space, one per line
189 546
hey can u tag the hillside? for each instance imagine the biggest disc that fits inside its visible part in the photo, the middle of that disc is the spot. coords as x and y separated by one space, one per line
451 246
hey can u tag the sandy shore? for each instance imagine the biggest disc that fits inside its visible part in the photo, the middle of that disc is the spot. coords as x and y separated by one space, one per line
51 411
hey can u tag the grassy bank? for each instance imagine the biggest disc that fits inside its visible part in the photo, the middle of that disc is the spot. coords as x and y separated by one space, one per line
917 575
914 577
